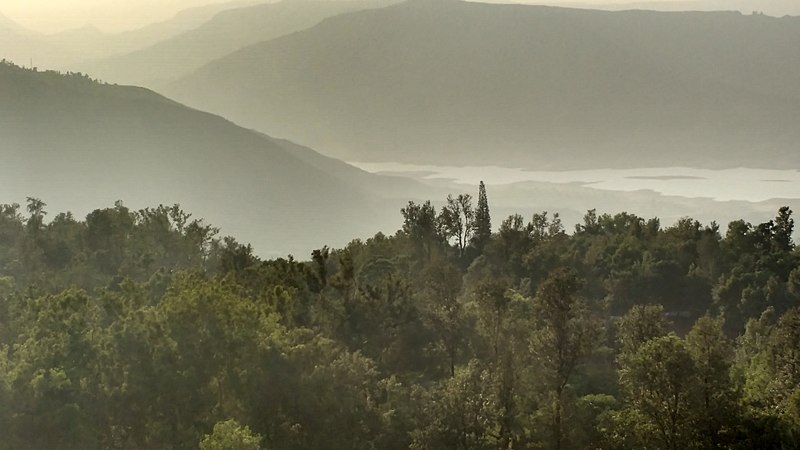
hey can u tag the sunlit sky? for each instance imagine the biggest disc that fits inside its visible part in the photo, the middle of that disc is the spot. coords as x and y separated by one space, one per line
118 15
108 15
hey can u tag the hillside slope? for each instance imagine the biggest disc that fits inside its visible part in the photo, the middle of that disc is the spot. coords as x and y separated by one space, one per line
76 144
468 83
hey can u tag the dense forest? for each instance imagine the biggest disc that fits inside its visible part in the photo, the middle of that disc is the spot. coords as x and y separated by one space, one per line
149 330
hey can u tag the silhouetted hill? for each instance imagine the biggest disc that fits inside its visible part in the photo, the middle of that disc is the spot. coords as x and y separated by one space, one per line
227 32
469 83
76 144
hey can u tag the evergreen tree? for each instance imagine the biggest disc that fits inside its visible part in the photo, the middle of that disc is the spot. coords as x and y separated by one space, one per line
782 230
483 221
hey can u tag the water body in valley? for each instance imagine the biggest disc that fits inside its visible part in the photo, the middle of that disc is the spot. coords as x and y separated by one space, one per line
745 184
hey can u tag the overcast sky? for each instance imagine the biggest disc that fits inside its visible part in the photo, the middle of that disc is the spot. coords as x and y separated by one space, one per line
117 15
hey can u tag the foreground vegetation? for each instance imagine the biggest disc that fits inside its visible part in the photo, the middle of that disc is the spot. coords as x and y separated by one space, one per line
144 330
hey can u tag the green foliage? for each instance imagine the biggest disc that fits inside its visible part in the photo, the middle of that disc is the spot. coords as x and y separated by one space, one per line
659 382
482 232
420 224
457 221
141 329
639 325
463 413
784 356
566 335
712 352
229 435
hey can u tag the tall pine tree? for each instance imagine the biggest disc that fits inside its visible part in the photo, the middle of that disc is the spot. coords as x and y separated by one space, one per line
483 221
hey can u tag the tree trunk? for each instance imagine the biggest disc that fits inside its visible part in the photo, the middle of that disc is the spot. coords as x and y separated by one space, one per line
557 420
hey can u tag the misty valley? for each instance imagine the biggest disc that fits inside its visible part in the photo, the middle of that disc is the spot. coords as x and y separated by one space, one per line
399 224
739 184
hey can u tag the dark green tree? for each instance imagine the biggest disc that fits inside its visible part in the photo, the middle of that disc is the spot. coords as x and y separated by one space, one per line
566 334
641 324
715 414
462 413
660 387
444 310
457 221
482 224
421 226
36 214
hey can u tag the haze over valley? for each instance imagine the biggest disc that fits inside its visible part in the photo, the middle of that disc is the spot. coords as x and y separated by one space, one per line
63 136
539 87
443 83
399 224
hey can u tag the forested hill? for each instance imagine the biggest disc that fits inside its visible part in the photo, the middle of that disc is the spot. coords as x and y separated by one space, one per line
452 82
80 143
141 329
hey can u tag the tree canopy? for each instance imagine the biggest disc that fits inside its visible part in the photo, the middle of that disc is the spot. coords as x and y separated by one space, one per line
147 329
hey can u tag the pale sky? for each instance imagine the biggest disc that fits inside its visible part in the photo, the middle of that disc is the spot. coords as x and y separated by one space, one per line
108 15
119 15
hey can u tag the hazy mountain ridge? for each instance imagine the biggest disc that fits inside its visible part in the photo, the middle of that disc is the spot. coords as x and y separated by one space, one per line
75 142
776 8
23 46
67 48
7 24
226 32
552 87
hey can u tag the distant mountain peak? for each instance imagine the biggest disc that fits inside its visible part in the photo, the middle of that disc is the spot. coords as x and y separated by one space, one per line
433 3
9 24
88 30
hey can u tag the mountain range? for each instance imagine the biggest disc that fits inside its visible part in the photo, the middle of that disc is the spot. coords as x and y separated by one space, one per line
226 32
23 46
424 81
77 144
66 49
451 82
